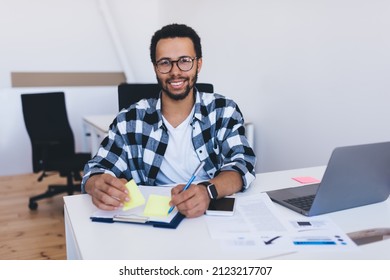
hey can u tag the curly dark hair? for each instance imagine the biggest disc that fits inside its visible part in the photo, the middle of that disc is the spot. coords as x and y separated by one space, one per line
173 31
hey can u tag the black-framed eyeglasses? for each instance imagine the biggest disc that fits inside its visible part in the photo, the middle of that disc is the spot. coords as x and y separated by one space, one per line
184 63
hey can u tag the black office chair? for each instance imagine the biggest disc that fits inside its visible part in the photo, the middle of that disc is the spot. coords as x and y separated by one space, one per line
132 93
52 142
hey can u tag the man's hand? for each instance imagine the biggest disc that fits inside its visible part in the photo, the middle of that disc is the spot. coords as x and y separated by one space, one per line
192 202
107 191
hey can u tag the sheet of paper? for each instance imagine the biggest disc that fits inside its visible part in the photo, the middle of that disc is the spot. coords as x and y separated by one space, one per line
135 195
253 224
319 234
257 224
254 214
157 206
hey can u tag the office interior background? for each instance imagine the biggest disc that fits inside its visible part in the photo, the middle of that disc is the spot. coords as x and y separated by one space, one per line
310 74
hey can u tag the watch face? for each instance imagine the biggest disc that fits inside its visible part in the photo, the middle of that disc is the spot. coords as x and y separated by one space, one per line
212 191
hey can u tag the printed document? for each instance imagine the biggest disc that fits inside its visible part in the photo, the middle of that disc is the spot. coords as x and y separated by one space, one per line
258 224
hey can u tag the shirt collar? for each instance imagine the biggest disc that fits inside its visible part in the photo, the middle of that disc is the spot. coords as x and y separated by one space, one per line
197 112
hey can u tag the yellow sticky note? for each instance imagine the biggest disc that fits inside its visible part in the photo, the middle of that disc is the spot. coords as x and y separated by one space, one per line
157 206
136 197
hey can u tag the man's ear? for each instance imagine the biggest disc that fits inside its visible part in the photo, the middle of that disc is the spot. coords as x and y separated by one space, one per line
155 69
199 61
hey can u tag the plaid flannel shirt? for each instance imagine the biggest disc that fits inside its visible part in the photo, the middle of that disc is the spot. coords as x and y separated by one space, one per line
137 140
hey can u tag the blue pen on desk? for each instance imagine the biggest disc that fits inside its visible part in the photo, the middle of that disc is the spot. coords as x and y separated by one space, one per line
200 166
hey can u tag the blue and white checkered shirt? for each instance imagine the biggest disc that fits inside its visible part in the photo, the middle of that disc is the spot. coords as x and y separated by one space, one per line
137 140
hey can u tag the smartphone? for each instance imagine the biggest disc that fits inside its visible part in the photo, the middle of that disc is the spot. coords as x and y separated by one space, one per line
222 207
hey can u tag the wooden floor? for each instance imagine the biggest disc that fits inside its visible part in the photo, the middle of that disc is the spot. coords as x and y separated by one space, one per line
26 234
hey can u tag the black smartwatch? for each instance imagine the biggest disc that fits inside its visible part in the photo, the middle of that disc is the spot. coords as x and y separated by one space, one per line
211 189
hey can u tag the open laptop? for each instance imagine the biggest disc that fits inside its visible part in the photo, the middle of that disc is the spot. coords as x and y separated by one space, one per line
355 176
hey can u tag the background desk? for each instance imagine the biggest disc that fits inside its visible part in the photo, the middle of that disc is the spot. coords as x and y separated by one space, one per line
191 240
96 127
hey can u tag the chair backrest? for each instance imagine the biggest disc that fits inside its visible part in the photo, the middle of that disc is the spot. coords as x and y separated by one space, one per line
131 93
48 127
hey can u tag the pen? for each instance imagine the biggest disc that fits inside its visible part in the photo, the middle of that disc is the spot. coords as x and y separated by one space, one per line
189 182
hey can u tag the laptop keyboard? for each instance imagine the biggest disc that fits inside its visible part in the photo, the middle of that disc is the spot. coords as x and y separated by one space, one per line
303 202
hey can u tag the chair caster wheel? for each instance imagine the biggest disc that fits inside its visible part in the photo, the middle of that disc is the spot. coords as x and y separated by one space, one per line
33 205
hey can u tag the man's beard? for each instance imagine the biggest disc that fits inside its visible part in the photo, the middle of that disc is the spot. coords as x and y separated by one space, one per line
182 95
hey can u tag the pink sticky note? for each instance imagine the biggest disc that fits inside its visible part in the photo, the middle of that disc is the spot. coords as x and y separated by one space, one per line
306 180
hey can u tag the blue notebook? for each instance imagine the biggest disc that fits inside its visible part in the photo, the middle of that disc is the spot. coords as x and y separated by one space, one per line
172 223
154 212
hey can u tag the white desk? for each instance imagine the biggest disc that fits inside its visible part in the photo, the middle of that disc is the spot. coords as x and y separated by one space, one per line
96 127
92 240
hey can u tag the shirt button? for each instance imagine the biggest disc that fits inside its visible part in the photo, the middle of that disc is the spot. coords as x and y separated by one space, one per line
200 151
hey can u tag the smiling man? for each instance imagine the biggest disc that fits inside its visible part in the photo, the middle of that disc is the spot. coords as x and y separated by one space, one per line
162 141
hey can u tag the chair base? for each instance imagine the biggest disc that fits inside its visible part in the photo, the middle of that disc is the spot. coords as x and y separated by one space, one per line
53 190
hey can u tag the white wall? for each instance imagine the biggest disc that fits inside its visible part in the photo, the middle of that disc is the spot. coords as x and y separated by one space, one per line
311 75
54 35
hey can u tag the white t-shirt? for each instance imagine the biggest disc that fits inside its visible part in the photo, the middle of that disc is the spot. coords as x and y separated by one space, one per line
180 160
